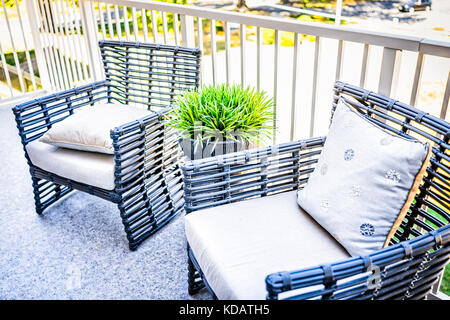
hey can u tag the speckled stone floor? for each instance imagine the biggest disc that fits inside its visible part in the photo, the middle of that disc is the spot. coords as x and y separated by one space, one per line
78 248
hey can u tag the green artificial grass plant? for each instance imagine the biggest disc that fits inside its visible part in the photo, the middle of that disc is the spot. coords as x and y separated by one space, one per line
226 111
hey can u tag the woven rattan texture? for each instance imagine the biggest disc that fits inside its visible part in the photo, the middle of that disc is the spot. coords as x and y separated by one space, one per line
148 179
149 74
420 249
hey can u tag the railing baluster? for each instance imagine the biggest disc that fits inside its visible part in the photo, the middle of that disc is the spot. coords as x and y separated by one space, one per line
444 108
135 24
417 79
5 68
62 42
49 32
164 25
365 59
83 50
200 45
118 21
91 41
187 31
92 17
227 51
213 50
200 34
294 87
91 12
154 27
47 46
275 84
144 24
126 22
390 65
102 20
76 51
314 86
14 52
176 29
242 29
27 53
57 44
64 50
339 60
110 24
41 54
69 46
258 57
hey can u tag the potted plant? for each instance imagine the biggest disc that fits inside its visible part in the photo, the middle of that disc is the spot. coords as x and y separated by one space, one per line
219 119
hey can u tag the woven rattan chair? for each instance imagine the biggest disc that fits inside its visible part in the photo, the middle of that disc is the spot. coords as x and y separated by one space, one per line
147 177
409 267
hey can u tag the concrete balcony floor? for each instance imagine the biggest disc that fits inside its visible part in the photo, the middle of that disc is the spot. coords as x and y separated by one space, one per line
78 248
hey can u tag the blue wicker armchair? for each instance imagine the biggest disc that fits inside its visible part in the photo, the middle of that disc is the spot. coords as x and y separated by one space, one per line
406 269
147 176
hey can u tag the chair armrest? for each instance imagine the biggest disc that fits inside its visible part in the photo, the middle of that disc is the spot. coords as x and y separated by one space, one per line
248 174
404 270
35 117
147 151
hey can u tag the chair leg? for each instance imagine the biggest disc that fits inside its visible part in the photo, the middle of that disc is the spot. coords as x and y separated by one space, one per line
37 198
132 243
46 193
141 217
195 282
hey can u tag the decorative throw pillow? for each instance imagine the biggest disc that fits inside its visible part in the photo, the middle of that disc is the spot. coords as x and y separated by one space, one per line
364 182
88 129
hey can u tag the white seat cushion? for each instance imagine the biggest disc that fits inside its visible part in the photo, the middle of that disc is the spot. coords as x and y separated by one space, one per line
88 129
92 168
239 244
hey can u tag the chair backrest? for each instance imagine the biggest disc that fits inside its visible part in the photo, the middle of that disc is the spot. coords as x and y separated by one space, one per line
411 265
148 74
431 208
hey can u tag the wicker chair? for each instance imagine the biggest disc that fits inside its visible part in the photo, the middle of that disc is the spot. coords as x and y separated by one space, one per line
147 176
408 268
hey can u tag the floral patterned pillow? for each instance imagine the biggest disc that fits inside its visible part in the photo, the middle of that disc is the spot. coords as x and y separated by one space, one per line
364 182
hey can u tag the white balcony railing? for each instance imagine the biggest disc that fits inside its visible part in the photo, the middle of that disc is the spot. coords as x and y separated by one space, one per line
268 53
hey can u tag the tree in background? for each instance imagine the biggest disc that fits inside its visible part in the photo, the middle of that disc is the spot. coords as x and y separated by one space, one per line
176 1
10 3
241 4
305 3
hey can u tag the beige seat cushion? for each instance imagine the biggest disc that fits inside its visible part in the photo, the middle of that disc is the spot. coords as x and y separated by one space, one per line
92 168
239 244
88 129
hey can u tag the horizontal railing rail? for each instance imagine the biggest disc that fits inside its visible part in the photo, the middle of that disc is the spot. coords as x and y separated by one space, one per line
398 42
66 32
237 47
191 26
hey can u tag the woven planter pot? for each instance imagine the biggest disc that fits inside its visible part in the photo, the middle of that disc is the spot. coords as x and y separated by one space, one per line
212 149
